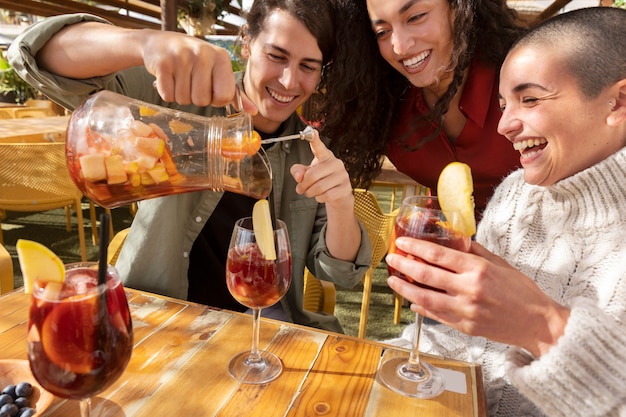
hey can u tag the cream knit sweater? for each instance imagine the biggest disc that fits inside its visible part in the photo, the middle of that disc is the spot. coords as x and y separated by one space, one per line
570 238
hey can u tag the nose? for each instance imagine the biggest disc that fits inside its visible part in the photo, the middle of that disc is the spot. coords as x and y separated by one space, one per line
509 124
402 42
289 77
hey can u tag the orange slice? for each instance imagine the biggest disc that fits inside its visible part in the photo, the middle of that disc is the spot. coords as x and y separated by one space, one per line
263 230
454 191
68 334
38 262
235 149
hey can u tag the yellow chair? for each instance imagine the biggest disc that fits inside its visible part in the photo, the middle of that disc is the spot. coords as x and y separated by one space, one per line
115 246
379 226
319 295
6 271
34 177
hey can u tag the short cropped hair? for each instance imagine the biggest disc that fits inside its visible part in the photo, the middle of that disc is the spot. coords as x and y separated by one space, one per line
594 42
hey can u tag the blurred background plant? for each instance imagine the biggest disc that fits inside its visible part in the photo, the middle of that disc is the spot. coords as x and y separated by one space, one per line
12 85
198 17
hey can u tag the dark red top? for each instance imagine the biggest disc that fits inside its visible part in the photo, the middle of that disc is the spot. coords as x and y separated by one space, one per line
490 156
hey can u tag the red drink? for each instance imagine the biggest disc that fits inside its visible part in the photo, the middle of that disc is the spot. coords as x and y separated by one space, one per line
421 225
255 281
76 349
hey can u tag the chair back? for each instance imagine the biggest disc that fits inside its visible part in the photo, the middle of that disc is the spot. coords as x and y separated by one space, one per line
379 226
319 296
34 177
6 271
115 246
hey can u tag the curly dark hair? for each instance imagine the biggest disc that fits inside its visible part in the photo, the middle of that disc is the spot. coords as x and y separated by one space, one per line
362 91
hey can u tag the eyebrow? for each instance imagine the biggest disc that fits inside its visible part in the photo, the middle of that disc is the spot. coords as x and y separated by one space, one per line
286 52
525 86
403 9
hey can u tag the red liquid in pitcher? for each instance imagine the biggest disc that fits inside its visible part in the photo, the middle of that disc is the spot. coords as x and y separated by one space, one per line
255 281
70 353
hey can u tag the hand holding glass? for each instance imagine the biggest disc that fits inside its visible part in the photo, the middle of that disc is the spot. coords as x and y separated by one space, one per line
80 335
257 282
419 217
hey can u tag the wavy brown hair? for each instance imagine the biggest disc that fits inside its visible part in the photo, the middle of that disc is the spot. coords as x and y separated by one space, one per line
362 91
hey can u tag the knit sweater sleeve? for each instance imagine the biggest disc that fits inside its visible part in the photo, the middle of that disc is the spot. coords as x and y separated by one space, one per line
583 374
570 242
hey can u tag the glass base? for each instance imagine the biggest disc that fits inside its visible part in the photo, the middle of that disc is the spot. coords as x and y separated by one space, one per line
267 369
426 384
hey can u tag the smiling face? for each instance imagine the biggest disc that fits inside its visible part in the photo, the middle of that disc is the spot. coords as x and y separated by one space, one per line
556 128
415 38
283 69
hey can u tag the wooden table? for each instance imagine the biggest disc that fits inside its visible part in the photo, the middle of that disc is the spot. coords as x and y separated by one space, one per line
179 368
30 129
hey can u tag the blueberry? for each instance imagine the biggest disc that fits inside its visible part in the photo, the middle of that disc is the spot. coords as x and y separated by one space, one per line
23 389
10 389
22 402
9 409
26 412
5 399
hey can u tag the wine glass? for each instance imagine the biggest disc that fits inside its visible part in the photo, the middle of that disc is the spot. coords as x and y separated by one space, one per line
80 334
257 283
419 217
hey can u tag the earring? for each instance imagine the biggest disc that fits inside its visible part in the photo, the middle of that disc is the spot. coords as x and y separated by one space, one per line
612 104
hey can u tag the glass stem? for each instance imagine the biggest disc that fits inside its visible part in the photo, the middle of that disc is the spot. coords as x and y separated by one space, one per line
255 357
414 360
85 407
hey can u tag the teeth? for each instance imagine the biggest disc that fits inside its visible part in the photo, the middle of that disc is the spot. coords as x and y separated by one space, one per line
412 62
522 145
281 98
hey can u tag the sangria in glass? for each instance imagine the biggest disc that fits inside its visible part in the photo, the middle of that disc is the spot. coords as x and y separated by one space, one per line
419 217
257 282
80 334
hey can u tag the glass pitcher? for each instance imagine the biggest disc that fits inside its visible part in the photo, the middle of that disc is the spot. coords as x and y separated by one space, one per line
121 150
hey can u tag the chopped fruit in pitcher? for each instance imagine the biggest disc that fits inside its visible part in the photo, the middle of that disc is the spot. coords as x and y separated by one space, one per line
37 262
93 167
239 149
454 190
177 127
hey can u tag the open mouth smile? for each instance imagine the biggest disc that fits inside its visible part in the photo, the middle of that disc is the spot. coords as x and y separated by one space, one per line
416 60
279 97
525 147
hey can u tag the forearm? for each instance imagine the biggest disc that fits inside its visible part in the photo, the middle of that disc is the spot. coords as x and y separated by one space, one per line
343 234
91 49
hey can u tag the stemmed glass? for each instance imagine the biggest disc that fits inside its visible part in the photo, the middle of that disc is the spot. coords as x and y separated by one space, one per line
419 217
80 334
257 283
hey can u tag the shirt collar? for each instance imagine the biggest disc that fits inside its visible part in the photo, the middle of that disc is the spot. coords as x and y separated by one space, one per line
478 91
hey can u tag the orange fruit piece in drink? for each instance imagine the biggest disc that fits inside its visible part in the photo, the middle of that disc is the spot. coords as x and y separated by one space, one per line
38 262
68 334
